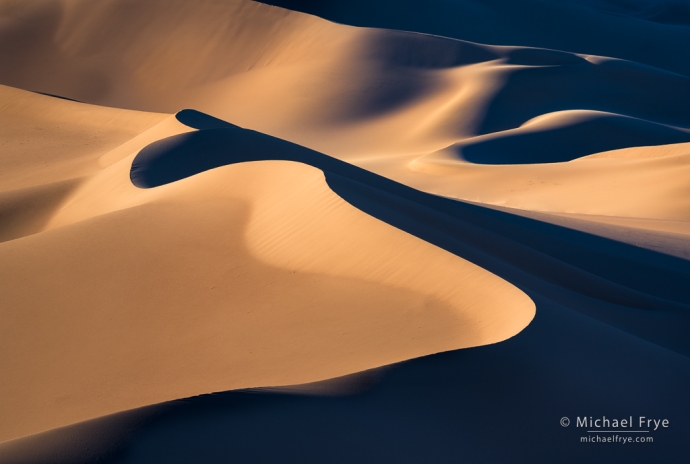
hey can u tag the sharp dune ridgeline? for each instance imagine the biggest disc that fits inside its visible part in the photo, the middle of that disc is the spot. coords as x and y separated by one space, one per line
310 231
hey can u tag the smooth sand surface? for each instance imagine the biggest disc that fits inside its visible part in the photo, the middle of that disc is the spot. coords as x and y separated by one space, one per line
250 275
648 187
339 199
349 92
373 97
47 140
646 31
47 146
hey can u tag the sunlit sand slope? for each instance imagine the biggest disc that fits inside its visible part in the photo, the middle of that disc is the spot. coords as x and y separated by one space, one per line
346 91
652 32
249 275
46 145
400 194
610 312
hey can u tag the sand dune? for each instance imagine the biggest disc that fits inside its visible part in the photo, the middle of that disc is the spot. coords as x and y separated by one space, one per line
255 274
526 251
562 136
46 140
204 196
48 146
634 30
344 91
373 97
637 183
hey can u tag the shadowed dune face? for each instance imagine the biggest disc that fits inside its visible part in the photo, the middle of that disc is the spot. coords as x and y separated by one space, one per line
536 85
147 257
565 136
676 14
341 90
633 30
185 155
673 12
599 280
251 275
26 211
635 183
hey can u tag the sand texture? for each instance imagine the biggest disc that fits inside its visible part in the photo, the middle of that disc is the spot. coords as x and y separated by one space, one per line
293 231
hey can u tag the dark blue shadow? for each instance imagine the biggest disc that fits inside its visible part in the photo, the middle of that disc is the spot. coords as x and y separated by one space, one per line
609 338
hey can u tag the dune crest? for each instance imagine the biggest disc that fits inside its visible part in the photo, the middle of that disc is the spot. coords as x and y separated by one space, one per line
401 104
349 92
248 275
233 230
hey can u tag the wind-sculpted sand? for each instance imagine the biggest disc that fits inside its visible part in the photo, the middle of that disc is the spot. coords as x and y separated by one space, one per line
257 274
345 91
398 246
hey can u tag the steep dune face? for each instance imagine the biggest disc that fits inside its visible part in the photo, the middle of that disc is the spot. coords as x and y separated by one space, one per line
179 157
640 182
147 256
345 91
634 30
151 54
563 136
251 275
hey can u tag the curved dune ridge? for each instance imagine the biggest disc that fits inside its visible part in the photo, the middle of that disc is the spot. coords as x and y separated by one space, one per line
561 136
491 201
253 275
402 104
344 91
633 30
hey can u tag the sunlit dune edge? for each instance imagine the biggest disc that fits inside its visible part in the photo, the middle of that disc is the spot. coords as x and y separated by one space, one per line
202 197
250 275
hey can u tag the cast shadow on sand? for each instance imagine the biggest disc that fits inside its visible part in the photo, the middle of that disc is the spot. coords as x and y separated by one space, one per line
648 284
606 312
609 338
